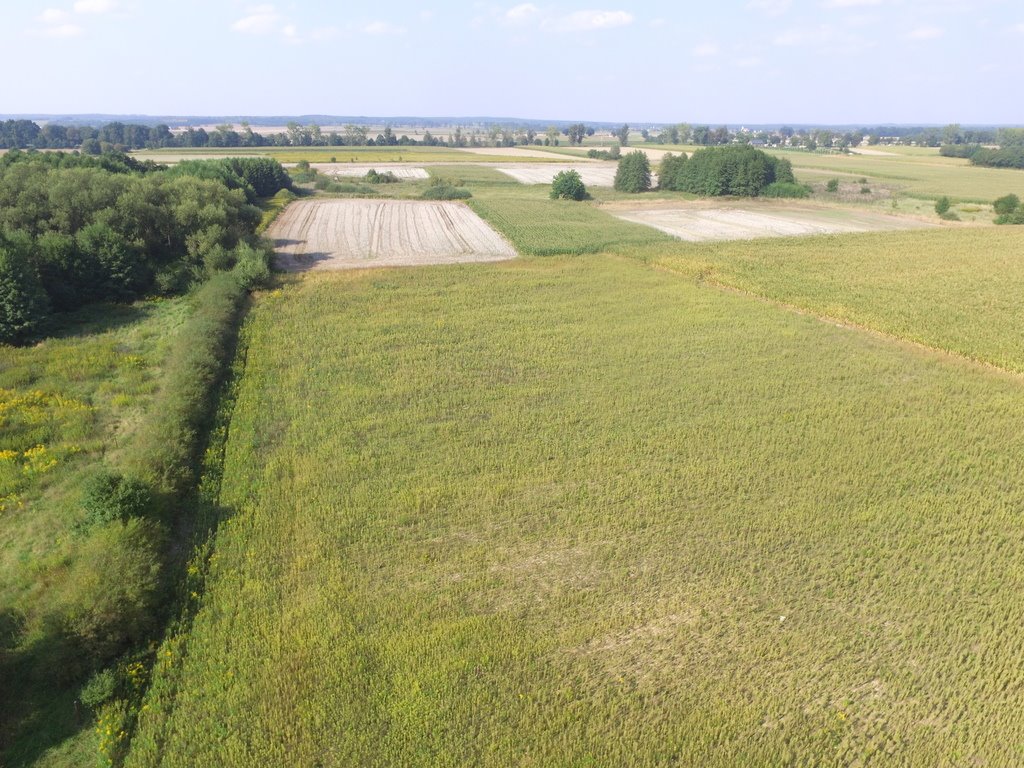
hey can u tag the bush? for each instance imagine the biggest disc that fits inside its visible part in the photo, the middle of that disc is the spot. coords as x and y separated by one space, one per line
1006 204
113 587
445 192
634 173
99 689
110 497
381 178
832 185
786 189
567 185
1017 217
23 303
865 190
942 205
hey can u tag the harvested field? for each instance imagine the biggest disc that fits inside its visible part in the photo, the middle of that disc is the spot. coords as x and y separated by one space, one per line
349 234
349 170
593 175
699 223
510 151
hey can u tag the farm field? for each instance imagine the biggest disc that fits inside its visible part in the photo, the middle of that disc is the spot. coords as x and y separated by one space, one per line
345 234
952 289
573 511
595 175
406 172
699 222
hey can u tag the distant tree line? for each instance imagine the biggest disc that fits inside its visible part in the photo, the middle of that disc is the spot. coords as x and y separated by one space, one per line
1008 154
76 229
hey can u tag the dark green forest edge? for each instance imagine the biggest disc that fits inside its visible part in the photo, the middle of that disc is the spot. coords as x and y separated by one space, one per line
77 231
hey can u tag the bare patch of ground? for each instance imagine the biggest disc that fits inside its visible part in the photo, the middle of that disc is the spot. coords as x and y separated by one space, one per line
872 152
510 152
705 220
350 234
348 170
594 175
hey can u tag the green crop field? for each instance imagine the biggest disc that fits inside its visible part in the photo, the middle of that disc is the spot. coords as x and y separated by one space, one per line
584 511
955 290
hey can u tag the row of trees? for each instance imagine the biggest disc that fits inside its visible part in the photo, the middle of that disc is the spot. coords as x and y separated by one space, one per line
76 229
713 171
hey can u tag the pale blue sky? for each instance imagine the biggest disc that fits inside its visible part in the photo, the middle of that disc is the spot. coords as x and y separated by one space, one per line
753 61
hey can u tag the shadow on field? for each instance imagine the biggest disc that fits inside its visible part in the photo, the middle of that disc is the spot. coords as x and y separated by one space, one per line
300 262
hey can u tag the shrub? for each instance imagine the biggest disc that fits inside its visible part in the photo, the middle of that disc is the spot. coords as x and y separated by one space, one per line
865 190
567 185
785 189
1017 217
1006 204
445 189
110 496
942 205
634 173
381 178
99 689
832 185
113 587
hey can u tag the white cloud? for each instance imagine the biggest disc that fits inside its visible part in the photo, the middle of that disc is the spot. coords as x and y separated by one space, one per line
62 30
324 33
383 28
749 63
849 3
426 15
261 20
770 7
705 50
290 33
925 33
658 23
1019 28
52 16
95 6
522 14
586 20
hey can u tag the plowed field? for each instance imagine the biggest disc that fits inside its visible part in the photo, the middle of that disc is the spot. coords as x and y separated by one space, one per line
348 234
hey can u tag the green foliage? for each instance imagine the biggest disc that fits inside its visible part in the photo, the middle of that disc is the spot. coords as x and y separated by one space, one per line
567 185
99 689
670 170
832 185
732 170
110 496
786 189
372 177
167 444
633 173
942 205
605 154
1005 157
445 189
1014 217
1006 204
113 587
23 304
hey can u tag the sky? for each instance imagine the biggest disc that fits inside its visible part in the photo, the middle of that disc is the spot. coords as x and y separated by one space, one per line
752 61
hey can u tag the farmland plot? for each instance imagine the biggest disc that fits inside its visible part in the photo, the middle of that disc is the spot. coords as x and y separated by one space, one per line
593 175
700 223
348 234
348 170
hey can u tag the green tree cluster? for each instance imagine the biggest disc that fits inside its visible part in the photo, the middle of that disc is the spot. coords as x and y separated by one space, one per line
1008 210
633 173
76 230
732 170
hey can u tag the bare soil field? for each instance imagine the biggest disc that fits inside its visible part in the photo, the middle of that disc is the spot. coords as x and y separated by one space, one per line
594 175
360 169
699 222
514 151
350 234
